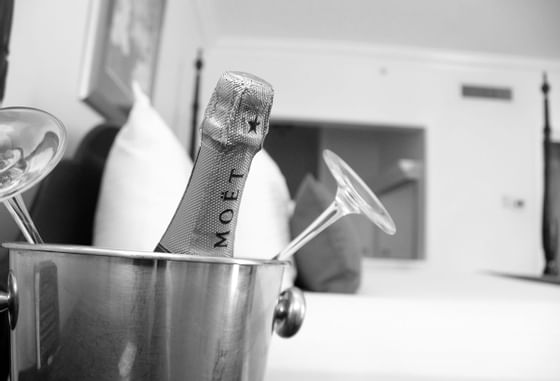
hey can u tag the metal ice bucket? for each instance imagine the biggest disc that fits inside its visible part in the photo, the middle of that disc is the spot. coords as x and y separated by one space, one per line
81 313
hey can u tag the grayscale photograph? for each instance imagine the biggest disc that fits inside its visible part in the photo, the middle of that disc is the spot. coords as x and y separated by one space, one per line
259 190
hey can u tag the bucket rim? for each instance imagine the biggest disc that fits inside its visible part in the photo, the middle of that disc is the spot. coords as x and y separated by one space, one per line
134 254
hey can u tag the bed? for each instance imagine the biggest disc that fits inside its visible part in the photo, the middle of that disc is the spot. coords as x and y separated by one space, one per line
409 322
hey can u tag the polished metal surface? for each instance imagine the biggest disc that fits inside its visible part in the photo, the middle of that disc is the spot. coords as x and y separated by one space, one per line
289 312
96 314
9 300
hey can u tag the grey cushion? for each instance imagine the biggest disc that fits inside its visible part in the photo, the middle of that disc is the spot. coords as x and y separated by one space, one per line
332 261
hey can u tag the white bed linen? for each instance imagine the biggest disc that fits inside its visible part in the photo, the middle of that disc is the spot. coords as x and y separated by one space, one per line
412 323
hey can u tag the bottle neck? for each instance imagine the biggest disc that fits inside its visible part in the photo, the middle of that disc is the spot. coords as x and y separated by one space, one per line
205 221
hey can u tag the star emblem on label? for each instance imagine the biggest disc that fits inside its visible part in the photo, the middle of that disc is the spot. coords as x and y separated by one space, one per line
253 125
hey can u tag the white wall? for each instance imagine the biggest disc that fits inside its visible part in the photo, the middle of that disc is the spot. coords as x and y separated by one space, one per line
47 46
478 152
45 60
174 90
524 27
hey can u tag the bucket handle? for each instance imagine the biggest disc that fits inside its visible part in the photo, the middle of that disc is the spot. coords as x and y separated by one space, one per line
289 312
9 300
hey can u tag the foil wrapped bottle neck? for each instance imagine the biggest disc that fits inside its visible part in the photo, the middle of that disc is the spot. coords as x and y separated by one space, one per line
238 112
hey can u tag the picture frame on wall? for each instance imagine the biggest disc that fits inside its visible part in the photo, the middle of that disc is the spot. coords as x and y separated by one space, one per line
122 46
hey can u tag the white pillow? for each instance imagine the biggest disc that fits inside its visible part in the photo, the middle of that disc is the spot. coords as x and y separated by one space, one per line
144 179
263 222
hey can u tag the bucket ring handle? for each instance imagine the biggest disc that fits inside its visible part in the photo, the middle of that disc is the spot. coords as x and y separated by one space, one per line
9 300
289 312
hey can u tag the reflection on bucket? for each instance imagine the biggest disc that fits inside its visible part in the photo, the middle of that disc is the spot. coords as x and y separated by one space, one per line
94 314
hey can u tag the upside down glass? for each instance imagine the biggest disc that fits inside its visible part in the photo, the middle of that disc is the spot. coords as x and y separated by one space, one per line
353 196
32 142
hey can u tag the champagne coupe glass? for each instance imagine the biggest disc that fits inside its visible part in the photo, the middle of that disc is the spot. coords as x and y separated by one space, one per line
353 196
32 142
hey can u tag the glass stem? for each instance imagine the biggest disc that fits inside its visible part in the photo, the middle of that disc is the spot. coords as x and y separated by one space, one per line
17 209
329 215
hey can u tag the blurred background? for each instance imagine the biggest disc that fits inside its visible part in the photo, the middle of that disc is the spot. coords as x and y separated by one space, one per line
438 106
436 103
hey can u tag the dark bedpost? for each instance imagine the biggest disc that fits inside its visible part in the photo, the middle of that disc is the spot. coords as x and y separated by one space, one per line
194 124
549 221
6 12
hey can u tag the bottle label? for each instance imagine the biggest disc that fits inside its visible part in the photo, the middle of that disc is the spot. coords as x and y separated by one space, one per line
233 131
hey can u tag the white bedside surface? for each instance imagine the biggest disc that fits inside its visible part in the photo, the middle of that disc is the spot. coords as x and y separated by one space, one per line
420 324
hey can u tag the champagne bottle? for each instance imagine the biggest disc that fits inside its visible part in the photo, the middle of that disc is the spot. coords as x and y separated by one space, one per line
233 130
